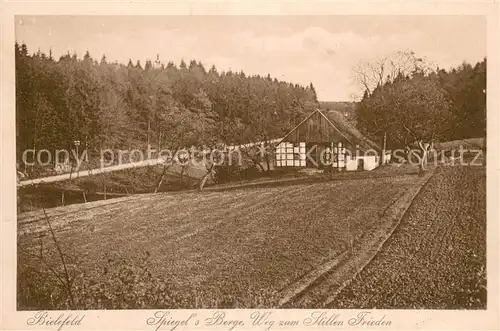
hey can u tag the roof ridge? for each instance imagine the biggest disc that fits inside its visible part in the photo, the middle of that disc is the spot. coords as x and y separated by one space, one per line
349 127
331 123
295 127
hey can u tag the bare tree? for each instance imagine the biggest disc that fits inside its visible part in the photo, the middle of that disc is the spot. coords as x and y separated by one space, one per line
376 72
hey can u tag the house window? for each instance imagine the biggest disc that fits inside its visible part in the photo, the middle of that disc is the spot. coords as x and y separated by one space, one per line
291 154
328 155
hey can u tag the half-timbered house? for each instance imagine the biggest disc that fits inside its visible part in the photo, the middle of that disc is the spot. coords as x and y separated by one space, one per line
319 142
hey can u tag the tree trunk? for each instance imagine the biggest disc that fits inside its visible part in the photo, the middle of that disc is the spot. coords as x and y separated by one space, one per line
182 174
382 159
268 165
484 151
160 181
104 185
149 132
421 169
205 177
90 164
165 168
71 171
423 159
266 156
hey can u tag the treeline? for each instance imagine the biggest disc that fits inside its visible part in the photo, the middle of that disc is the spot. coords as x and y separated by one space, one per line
423 106
111 105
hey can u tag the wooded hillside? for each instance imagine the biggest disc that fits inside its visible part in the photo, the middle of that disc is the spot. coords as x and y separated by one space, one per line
117 106
426 105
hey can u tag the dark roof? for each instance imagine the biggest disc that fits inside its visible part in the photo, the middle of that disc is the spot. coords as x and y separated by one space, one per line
324 126
351 131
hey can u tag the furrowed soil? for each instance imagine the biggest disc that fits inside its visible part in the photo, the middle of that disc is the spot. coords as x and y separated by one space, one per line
236 248
275 246
436 258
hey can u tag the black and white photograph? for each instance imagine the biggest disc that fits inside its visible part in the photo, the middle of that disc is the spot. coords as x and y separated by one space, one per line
317 162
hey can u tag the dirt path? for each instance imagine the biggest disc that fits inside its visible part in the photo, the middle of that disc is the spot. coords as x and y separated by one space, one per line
436 258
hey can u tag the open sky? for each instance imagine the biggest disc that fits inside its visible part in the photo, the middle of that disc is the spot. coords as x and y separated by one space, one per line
299 49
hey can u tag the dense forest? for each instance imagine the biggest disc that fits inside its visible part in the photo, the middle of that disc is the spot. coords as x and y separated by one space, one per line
110 105
425 106
116 106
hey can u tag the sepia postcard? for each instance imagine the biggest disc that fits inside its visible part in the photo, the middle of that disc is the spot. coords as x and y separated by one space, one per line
249 165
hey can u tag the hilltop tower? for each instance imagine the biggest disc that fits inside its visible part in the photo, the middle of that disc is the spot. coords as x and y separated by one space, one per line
157 63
